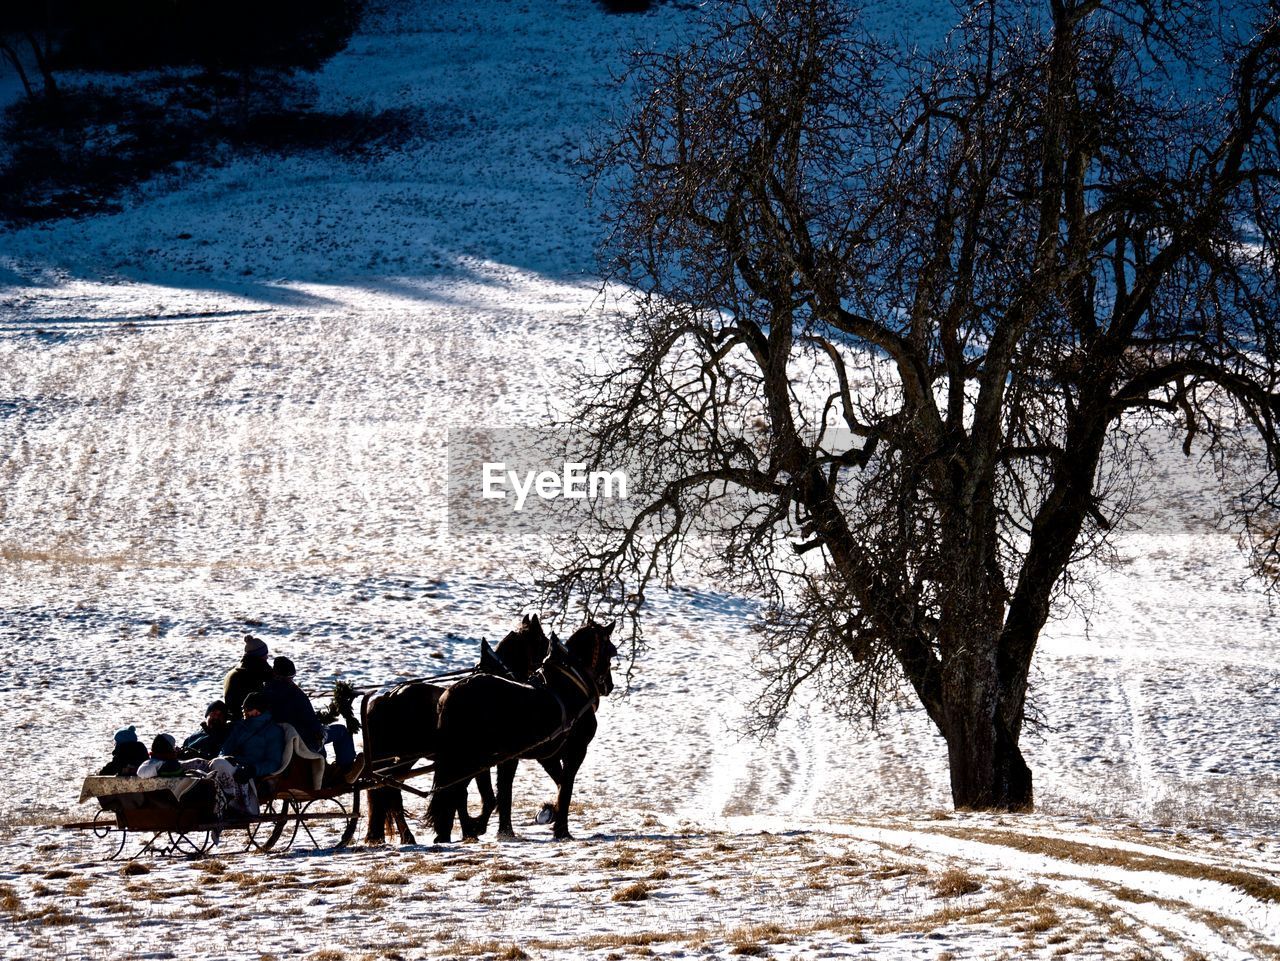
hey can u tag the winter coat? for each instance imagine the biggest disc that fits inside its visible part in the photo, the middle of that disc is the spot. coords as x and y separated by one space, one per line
257 743
159 767
290 706
249 676
125 759
206 743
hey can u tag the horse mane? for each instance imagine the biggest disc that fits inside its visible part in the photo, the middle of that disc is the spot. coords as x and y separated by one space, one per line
582 642
521 652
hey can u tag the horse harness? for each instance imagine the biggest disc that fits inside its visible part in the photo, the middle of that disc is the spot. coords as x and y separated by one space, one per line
588 687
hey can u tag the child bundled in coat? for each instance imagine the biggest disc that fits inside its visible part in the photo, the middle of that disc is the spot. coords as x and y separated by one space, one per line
127 754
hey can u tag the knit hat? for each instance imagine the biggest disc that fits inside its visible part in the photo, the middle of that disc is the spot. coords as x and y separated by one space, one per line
215 706
283 666
164 742
126 735
255 646
257 701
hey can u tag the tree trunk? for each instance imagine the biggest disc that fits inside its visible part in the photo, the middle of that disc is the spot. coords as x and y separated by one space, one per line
42 63
12 56
987 768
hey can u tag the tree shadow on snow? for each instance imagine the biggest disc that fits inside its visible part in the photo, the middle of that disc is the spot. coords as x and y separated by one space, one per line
81 152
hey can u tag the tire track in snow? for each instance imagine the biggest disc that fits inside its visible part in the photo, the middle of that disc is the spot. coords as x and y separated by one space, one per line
1178 904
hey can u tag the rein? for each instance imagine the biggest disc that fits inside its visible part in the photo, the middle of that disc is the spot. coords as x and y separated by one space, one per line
592 692
446 676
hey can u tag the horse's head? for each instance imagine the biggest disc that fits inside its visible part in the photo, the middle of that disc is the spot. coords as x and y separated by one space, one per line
592 651
525 648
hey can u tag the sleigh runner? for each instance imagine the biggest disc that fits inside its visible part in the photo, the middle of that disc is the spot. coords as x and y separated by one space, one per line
180 815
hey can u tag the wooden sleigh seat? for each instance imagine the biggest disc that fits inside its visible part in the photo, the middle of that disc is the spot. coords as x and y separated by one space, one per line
301 773
154 804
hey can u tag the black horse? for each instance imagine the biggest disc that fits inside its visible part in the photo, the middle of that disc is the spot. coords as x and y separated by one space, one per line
486 720
396 738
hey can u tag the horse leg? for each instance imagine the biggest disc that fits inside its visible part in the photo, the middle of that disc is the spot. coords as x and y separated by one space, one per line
402 826
572 760
443 804
474 827
506 776
484 783
376 833
555 770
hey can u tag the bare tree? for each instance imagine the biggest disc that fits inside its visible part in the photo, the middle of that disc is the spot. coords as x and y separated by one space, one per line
905 322
40 56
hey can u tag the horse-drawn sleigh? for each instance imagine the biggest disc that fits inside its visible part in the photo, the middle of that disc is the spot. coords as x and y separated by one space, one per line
531 698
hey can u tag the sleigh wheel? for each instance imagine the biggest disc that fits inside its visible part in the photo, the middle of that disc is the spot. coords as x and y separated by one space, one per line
189 844
265 832
328 824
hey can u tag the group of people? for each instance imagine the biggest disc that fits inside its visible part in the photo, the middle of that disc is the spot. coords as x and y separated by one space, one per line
241 737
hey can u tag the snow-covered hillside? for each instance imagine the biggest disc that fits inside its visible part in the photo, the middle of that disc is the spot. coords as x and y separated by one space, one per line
225 409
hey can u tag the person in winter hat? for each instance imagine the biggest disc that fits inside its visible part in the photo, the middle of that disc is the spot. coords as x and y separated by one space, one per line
164 758
127 754
207 742
253 749
250 675
289 705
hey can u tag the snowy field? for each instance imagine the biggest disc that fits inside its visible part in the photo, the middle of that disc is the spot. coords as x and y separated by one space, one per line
225 409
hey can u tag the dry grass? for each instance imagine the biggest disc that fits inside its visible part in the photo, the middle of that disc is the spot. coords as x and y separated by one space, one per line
1133 895
956 883
387 876
841 861
754 940
639 891
330 881
52 916
1079 853
953 913
370 897
624 859
890 871
61 558
493 949
1040 921
134 868
249 880
642 942
506 877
